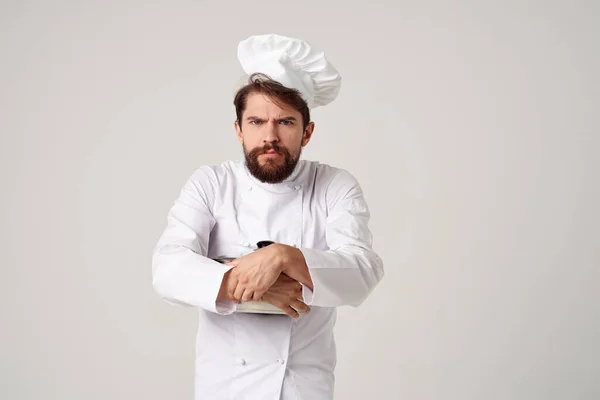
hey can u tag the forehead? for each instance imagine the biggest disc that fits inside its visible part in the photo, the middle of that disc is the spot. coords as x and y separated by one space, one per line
259 104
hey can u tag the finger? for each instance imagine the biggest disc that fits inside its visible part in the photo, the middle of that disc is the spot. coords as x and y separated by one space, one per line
231 287
277 301
257 296
258 293
290 311
248 295
233 263
300 306
238 293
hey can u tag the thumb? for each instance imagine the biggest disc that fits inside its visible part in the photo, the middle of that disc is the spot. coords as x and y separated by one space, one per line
233 263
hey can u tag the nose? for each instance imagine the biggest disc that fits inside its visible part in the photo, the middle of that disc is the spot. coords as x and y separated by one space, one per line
271 133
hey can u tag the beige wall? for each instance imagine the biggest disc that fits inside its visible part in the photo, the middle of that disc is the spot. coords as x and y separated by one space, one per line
472 126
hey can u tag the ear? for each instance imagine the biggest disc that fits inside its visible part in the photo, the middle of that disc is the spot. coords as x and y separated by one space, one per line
238 131
308 133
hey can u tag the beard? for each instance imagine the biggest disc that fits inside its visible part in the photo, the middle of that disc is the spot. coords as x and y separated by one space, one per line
272 170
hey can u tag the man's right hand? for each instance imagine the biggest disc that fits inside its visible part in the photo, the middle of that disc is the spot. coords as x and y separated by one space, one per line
286 294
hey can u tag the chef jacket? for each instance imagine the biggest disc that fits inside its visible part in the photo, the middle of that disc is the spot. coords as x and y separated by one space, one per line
222 211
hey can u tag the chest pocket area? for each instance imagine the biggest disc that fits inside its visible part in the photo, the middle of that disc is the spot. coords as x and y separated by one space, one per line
256 215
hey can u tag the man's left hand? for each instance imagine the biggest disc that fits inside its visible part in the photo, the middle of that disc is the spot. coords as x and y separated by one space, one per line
254 273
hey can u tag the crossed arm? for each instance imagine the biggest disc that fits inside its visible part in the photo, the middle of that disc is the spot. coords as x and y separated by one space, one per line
345 274
274 274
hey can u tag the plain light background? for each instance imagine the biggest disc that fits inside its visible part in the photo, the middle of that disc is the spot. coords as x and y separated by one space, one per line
472 126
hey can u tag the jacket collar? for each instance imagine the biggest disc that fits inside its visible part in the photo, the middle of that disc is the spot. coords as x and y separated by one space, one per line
291 183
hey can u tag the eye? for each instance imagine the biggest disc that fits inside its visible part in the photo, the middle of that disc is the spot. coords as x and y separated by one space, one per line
255 122
285 122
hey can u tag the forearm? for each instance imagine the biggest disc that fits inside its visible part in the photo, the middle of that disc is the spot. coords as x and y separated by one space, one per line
294 265
345 269
345 276
224 294
182 272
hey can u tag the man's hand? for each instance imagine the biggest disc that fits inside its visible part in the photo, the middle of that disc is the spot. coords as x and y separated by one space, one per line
254 273
286 294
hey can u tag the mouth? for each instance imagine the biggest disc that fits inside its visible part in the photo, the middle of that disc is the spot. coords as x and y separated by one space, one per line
271 153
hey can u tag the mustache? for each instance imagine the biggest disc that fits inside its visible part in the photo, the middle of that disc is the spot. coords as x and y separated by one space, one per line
273 146
257 151
279 149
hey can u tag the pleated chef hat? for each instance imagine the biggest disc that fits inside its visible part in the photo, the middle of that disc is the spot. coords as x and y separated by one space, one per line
294 63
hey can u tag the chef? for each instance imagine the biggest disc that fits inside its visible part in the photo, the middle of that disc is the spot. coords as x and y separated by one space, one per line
315 215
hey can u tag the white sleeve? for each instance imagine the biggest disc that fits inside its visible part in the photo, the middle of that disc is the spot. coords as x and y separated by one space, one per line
181 272
349 271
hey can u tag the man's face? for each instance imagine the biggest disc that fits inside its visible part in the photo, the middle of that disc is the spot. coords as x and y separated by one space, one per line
272 137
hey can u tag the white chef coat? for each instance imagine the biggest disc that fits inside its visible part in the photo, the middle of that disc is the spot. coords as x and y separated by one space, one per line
223 211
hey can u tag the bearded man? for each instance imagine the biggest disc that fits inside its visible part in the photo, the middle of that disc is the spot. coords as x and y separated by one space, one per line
266 248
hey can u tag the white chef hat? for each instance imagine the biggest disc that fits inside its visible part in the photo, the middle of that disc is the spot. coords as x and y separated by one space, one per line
294 64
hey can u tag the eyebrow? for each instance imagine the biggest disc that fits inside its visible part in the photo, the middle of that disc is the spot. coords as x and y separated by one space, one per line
279 119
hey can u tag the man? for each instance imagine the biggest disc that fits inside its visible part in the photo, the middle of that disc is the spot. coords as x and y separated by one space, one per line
315 215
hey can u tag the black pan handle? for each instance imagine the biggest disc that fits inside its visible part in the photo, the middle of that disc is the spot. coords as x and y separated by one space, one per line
264 243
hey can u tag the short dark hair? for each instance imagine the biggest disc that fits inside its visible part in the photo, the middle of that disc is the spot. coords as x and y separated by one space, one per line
261 83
